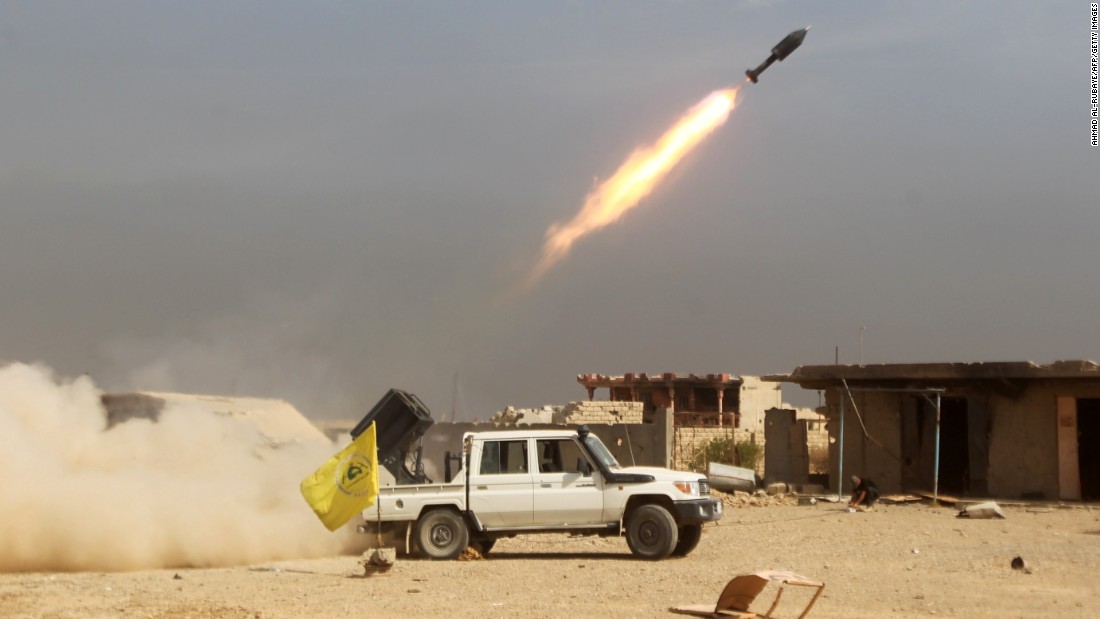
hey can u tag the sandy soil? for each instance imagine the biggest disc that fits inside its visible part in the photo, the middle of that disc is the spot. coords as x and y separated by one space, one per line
899 560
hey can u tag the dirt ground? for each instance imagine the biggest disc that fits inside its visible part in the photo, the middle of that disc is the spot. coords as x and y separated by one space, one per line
909 560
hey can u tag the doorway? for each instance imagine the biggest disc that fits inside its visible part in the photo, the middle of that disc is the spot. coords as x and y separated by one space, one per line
954 446
918 445
1088 447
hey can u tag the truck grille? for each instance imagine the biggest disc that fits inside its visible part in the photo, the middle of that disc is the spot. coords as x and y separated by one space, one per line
704 487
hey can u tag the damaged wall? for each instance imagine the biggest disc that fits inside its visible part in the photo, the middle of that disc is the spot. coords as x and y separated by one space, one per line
603 412
1023 445
574 413
997 442
787 458
756 397
881 414
689 439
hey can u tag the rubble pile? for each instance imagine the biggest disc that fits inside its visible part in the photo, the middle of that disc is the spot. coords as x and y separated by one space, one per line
512 416
573 413
760 498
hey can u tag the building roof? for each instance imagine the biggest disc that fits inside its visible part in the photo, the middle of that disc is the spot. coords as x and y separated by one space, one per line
916 375
663 378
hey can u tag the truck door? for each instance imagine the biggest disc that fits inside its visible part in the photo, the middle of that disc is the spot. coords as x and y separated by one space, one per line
501 486
568 491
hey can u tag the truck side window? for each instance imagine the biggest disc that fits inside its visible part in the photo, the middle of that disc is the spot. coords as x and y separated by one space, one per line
504 457
490 458
549 453
560 456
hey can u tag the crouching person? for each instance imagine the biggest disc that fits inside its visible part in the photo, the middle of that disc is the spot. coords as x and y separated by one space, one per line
864 494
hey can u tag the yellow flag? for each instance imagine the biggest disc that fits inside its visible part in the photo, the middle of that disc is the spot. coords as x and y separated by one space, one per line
346 484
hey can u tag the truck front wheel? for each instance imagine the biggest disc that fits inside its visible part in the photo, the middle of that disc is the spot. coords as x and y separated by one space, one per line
690 534
442 534
651 532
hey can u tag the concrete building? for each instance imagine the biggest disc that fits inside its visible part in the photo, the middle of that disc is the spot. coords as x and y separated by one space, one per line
721 400
1005 429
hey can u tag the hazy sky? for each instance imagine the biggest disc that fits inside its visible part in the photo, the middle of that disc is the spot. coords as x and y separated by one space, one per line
319 201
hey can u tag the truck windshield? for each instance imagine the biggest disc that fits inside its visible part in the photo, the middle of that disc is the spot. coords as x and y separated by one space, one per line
600 452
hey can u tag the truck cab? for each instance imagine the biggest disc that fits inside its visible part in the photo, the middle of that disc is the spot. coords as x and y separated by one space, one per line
519 480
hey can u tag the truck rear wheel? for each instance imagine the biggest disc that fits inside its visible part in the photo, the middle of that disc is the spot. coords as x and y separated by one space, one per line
651 532
690 534
441 534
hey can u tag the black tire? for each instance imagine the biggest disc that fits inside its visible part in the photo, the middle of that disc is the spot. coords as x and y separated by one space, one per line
690 534
651 532
441 534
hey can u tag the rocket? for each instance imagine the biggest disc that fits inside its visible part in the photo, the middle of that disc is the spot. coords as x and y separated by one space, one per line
779 52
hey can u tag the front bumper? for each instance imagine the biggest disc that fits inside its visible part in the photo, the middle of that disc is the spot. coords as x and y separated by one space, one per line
698 511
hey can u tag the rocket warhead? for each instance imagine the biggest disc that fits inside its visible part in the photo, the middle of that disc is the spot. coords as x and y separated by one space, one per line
779 52
789 43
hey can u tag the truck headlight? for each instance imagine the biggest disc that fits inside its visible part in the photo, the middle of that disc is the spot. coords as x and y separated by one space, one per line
688 487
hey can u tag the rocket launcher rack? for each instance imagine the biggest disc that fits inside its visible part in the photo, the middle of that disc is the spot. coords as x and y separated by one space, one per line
402 420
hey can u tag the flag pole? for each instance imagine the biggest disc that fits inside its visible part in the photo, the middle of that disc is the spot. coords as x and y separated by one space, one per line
377 497
381 559
378 529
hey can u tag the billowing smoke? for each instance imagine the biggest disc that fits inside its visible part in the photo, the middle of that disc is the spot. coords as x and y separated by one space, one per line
185 490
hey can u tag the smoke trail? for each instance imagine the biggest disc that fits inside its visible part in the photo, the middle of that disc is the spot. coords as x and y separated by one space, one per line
187 490
635 179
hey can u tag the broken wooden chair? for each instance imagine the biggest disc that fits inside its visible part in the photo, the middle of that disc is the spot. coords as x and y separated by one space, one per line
740 592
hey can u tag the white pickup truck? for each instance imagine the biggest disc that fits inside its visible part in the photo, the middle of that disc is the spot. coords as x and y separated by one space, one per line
535 481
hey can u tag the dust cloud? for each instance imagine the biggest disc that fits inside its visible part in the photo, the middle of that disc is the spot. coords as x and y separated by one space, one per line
186 490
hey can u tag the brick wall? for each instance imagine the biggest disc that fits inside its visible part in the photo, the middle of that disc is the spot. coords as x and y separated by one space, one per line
688 439
589 411
574 413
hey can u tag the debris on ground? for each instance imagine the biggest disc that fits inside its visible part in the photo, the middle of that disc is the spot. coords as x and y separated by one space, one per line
1019 564
739 594
776 489
900 499
470 554
378 560
989 509
759 499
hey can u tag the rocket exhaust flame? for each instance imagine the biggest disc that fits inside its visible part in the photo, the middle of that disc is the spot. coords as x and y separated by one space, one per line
635 179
